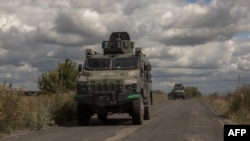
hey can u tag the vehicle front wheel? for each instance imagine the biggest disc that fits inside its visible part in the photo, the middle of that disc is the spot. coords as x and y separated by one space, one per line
83 114
146 113
137 111
102 117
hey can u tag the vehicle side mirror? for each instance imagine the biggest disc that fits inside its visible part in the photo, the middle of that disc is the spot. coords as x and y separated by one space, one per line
79 67
150 78
141 72
149 67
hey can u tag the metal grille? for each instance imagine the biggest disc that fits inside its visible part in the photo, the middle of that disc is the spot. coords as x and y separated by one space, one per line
105 86
92 86
117 85
111 86
99 86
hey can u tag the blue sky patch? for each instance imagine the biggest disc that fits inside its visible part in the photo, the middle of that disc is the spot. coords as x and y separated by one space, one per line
242 36
207 1
194 1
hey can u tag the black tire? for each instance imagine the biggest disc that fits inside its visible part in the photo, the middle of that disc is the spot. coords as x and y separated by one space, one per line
146 113
83 114
102 117
137 111
151 98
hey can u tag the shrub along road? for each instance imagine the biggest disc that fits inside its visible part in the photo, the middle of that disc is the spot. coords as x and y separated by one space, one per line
174 120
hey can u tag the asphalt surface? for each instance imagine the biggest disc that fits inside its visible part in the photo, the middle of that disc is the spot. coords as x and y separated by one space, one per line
173 120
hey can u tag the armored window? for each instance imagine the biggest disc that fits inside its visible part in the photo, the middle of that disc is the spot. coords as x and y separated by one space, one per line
125 63
100 63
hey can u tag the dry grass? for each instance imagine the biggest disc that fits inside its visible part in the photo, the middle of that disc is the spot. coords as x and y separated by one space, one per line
240 106
159 97
18 111
235 107
220 103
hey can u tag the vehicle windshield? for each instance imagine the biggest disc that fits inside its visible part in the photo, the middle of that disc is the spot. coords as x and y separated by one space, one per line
125 63
98 63
179 90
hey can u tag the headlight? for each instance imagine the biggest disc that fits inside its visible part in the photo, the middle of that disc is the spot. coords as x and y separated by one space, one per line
134 86
128 87
131 87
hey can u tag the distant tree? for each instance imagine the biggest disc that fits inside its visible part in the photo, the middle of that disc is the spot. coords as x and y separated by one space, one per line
192 92
60 79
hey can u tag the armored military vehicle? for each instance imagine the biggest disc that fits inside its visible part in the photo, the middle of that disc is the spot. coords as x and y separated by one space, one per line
115 81
178 91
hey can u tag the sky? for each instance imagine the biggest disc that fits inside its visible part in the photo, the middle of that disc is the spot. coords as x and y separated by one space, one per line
199 43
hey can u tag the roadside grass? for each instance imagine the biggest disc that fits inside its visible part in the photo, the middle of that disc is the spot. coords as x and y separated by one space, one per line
234 106
240 106
221 103
34 112
159 97
18 111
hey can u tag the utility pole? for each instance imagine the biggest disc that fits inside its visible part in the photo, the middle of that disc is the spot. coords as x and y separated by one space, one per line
239 80
241 96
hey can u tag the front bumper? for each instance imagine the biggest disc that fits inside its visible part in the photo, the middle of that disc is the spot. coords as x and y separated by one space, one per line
106 98
179 95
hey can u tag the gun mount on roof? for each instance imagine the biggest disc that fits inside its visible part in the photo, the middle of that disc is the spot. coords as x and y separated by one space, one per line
119 35
119 43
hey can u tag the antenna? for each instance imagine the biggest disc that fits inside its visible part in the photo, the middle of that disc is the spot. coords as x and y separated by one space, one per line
119 37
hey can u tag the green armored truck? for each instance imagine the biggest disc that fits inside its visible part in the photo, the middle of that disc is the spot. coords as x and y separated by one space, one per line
115 81
177 92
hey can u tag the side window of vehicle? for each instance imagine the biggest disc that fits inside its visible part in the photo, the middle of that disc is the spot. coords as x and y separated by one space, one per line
142 69
141 72
146 72
147 68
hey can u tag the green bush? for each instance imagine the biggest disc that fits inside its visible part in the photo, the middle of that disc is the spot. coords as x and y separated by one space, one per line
18 111
192 92
59 80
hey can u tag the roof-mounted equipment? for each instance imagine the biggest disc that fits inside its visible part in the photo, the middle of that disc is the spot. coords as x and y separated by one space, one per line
119 43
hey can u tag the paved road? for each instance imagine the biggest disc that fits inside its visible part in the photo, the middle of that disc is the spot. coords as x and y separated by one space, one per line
173 120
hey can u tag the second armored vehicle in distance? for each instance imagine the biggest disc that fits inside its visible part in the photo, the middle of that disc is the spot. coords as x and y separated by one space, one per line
177 92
